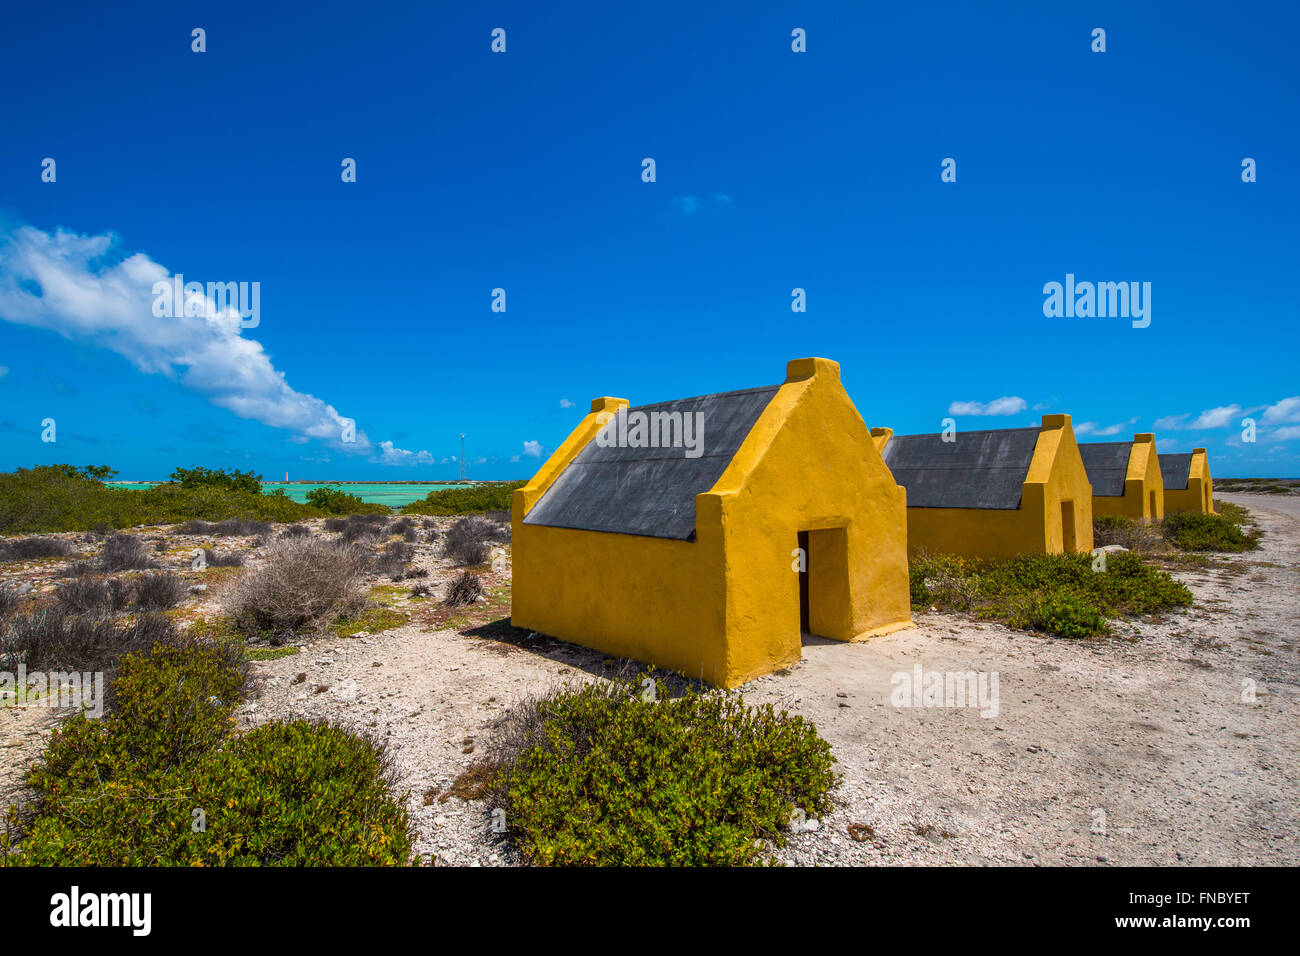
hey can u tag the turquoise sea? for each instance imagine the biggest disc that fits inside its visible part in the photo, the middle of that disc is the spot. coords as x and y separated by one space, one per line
378 492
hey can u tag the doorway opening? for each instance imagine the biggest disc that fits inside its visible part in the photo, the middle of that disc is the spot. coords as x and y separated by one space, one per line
824 607
1152 505
1067 527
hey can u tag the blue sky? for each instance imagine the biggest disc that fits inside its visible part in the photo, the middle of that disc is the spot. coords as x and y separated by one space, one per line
775 170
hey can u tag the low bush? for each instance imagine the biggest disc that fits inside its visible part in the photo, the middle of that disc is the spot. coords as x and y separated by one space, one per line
296 531
469 541
123 552
8 600
394 558
599 776
125 789
336 501
475 499
363 530
26 549
159 591
1127 533
1069 595
49 639
63 498
224 479
303 584
93 596
464 590
1193 531
231 527
222 559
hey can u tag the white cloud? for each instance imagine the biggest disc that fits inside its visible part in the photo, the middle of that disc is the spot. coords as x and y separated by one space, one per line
1006 405
565 403
4 370
686 205
1287 410
533 449
1290 433
1216 417
83 288
1101 431
514 458
1219 417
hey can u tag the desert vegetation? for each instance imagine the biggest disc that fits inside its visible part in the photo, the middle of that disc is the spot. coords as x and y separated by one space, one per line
123 790
1069 595
51 498
303 584
625 774
478 499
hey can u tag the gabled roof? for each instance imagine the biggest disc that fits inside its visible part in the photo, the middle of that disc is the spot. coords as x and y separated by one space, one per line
1107 465
651 491
1175 470
984 469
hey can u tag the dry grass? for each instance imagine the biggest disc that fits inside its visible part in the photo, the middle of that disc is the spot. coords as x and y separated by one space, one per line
304 584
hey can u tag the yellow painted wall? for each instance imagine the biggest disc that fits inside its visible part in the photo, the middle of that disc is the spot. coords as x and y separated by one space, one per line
1056 475
1199 495
1140 484
725 608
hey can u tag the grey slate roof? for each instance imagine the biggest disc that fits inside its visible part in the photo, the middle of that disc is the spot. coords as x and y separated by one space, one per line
651 491
1107 465
982 469
1175 470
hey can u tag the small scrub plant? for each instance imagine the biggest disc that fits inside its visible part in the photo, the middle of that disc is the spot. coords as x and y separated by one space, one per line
231 527
123 552
465 589
222 559
128 789
606 776
1069 595
304 584
296 531
225 479
93 596
27 549
469 541
1193 531
336 501
158 591
476 499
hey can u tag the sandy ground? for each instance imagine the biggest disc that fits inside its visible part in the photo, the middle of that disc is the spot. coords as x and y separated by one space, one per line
1143 748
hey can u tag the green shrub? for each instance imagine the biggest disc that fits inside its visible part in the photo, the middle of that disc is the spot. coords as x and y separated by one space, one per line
336 501
476 499
229 480
598 776
63 498
1065 615
1059 593
300 794
1193 531
162 782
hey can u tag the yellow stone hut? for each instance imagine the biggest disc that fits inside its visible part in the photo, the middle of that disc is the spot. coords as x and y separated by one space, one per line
995 493
1188 486
1125 477
708 535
